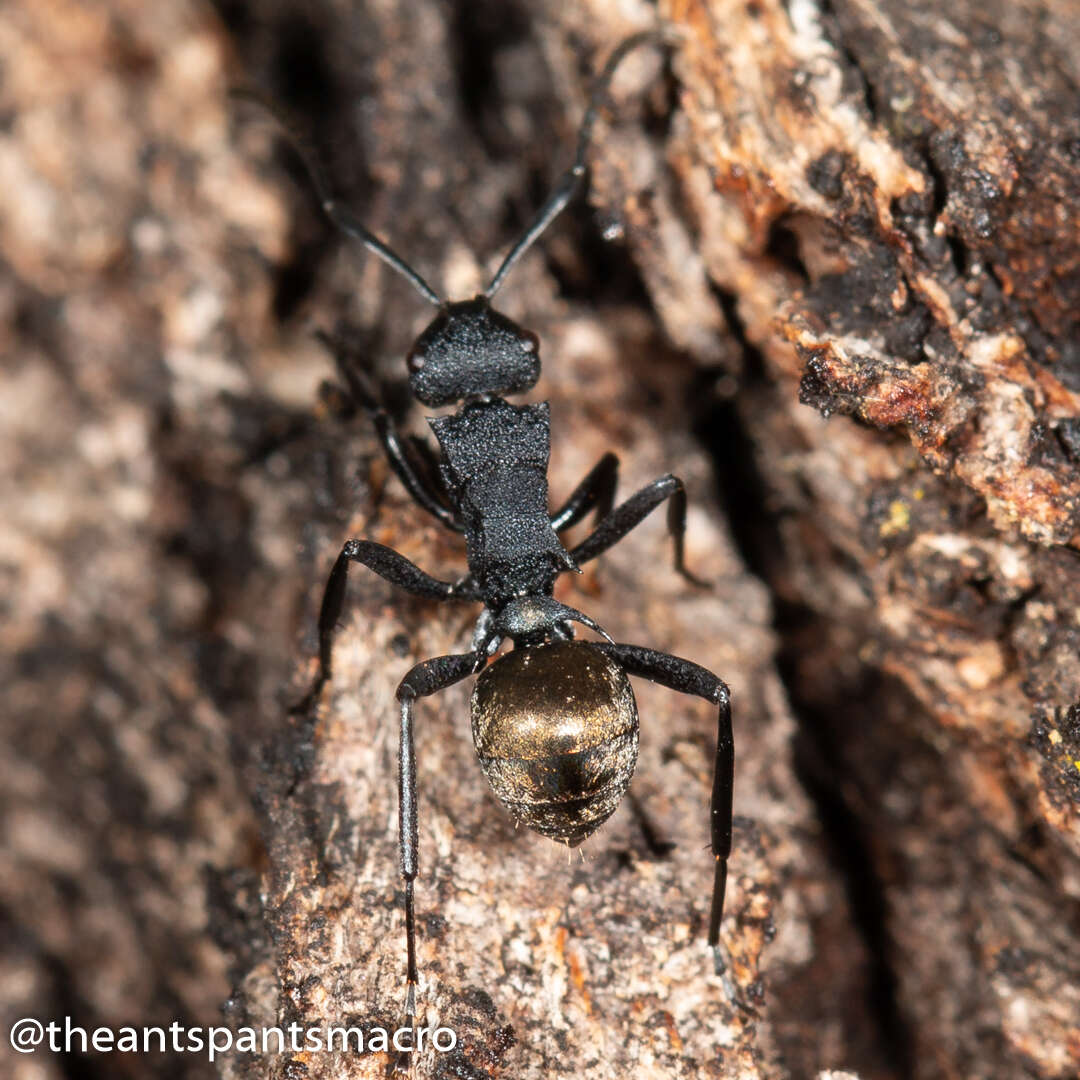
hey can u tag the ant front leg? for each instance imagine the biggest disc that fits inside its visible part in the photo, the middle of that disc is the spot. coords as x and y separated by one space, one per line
390 566
426 678
420 477
631 513
596 490
690 678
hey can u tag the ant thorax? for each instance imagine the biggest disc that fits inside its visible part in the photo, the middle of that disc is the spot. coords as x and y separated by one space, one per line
494 462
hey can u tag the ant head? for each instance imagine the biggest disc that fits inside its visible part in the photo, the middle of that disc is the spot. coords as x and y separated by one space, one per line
470 349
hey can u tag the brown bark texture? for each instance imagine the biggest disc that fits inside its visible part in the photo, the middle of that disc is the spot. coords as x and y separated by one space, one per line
827 270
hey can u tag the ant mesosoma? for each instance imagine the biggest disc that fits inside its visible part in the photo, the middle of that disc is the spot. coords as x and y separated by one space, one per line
554 720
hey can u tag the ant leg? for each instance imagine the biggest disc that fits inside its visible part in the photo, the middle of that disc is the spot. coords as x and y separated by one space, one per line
390 566
597 489
631 513
420 480
426 678
690 678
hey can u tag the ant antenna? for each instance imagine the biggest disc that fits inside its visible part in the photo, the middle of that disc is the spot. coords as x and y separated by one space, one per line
571 180
341 217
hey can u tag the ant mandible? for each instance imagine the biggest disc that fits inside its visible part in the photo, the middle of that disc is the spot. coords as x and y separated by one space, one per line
554 720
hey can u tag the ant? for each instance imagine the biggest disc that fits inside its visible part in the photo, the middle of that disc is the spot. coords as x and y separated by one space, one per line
554 721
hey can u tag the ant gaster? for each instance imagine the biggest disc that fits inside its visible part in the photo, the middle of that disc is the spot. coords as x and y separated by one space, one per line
554 720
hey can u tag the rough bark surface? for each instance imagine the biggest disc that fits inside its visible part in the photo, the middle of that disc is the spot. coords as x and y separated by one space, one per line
843 307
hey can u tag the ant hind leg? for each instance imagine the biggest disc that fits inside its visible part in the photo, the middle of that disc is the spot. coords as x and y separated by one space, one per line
689 678
428 677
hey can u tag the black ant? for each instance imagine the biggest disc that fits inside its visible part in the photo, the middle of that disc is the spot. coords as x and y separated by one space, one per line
554 721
